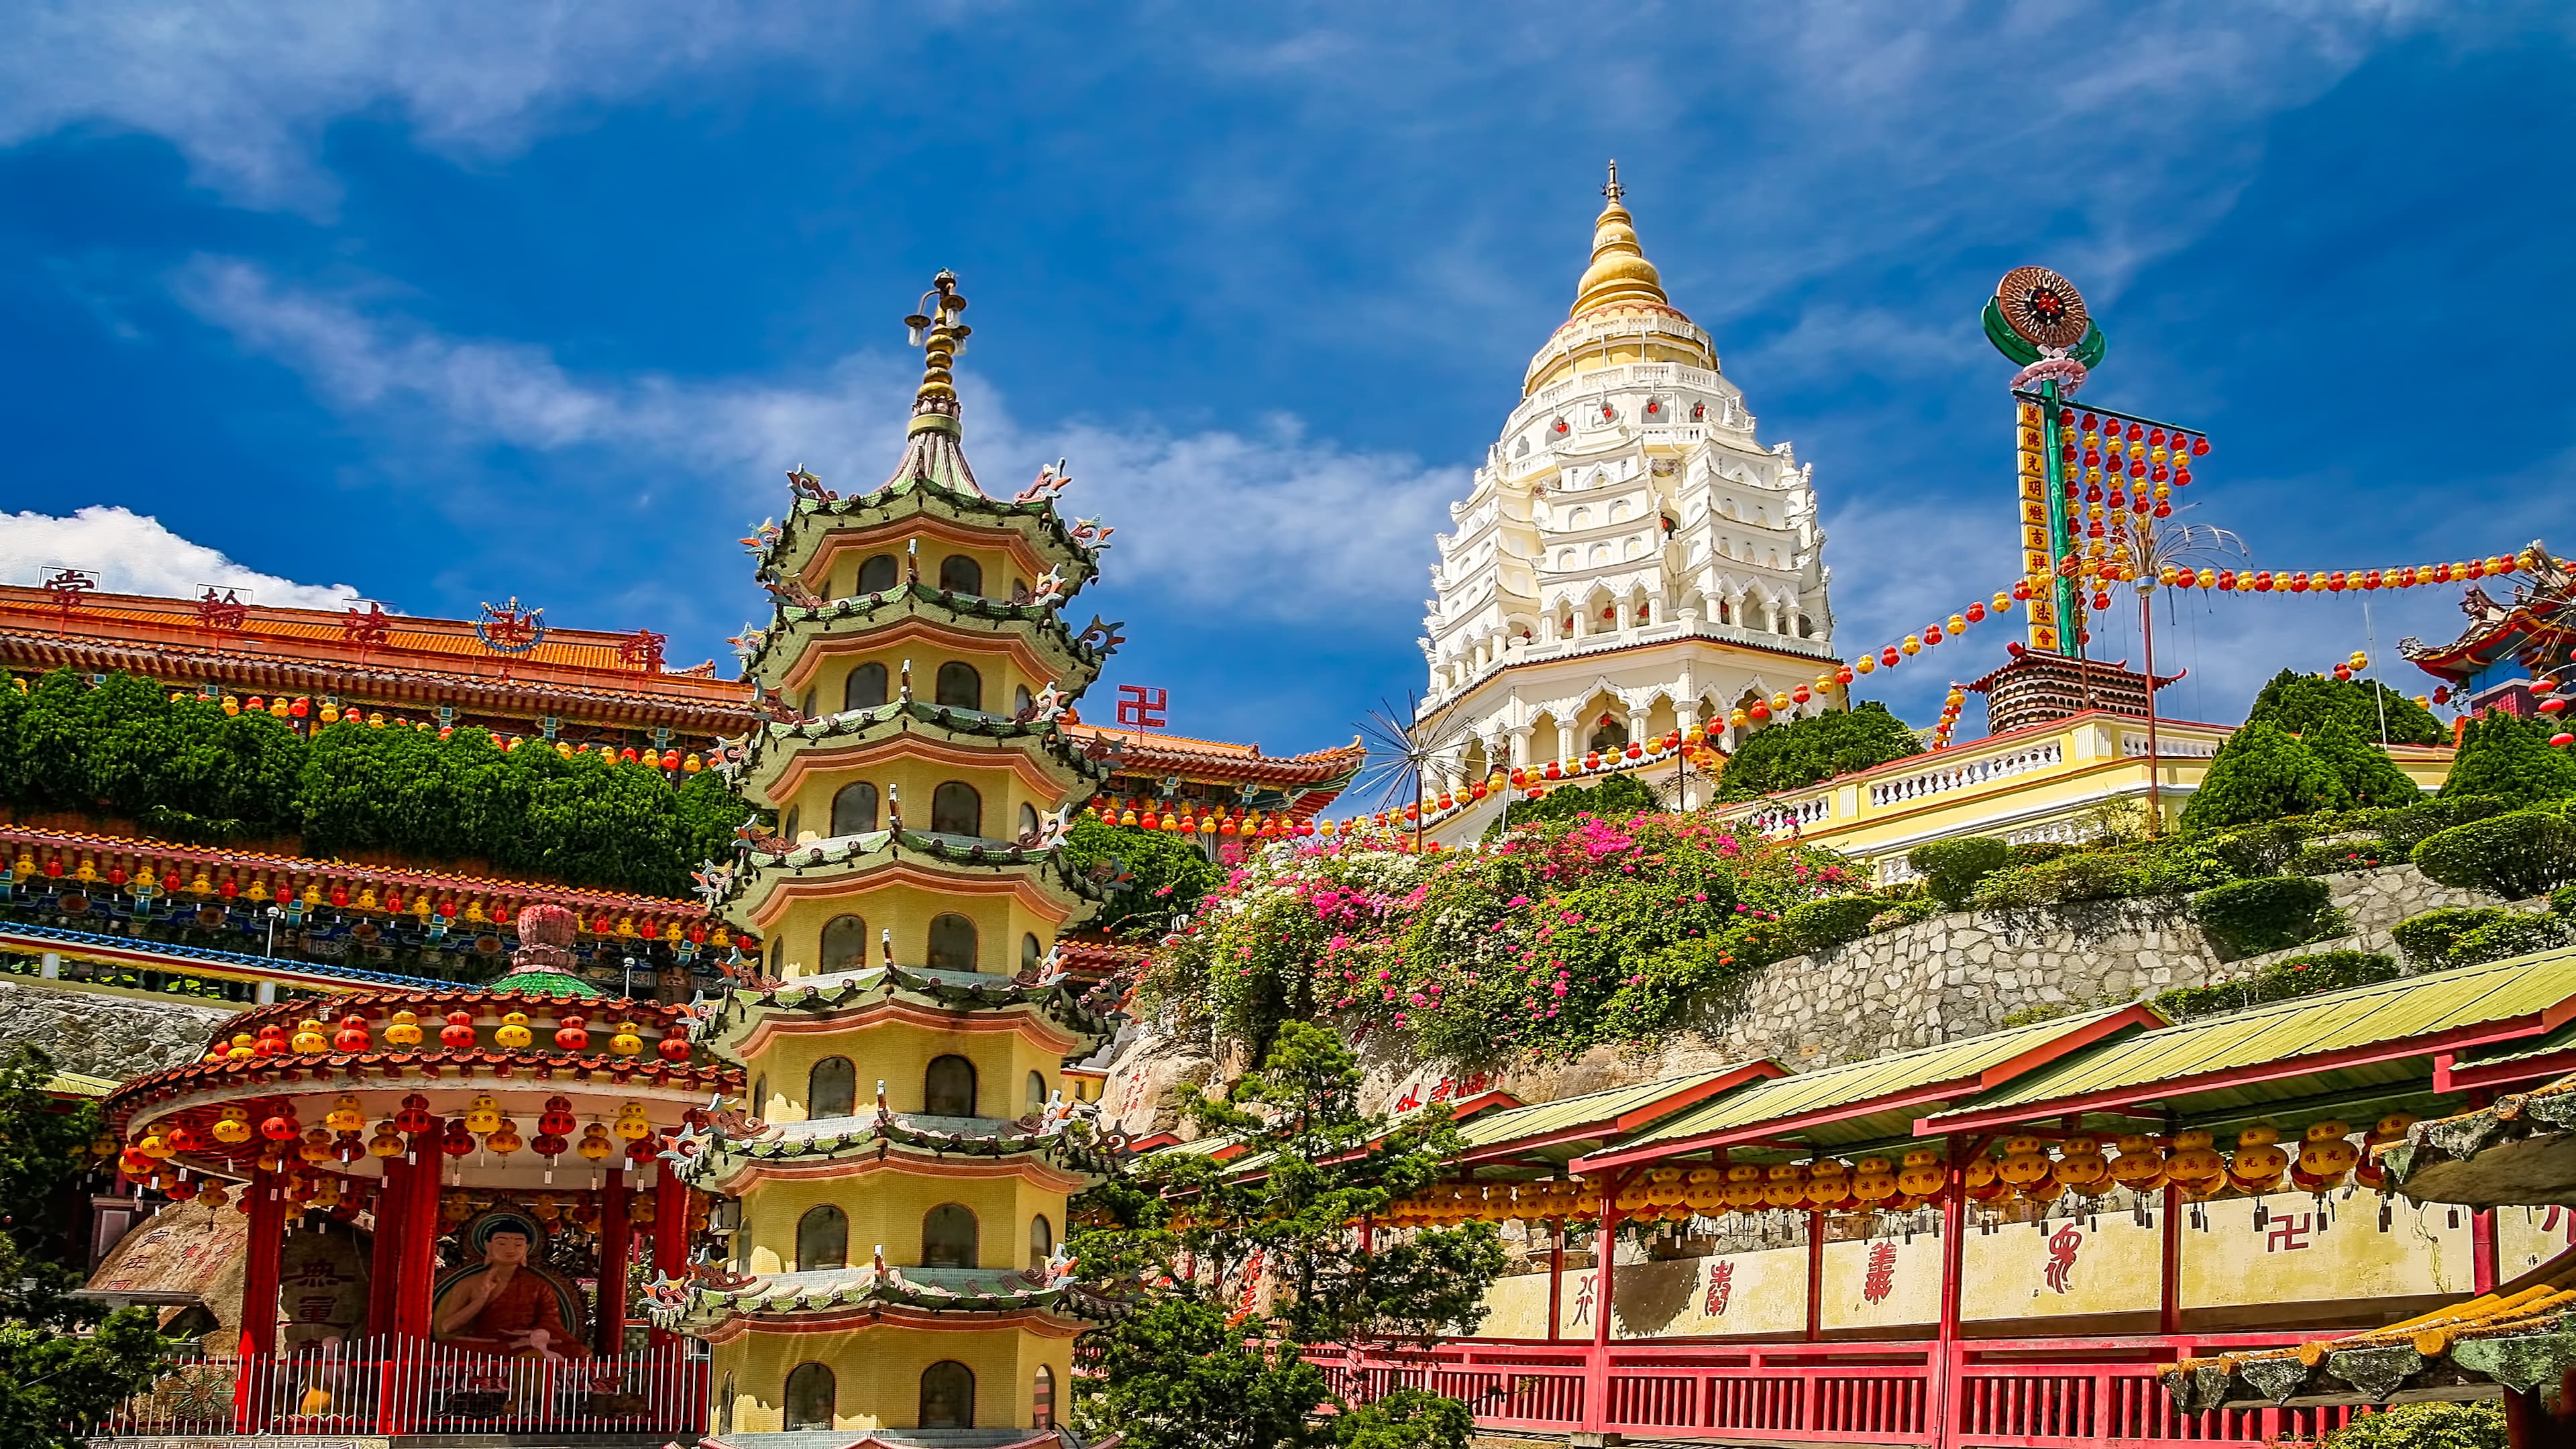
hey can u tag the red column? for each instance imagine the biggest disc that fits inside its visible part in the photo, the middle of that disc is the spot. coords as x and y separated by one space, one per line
384 1261
1555 1275
2169 1309
670 1232
2484 1269
615 1246
259 1276
1943 1369
420 1240
1815 1274
1596 1363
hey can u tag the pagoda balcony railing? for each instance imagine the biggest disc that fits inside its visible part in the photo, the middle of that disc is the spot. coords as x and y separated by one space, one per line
382 1386
1968 774
2168 747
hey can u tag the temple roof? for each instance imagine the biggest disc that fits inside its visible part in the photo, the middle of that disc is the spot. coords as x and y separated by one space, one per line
2522 630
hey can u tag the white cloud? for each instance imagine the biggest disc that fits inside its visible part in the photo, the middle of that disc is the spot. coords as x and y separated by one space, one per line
134 553
1267 523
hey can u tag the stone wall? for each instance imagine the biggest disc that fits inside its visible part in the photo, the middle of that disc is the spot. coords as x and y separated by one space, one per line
103 1031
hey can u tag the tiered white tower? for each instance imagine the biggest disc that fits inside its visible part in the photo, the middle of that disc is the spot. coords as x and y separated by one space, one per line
1631 560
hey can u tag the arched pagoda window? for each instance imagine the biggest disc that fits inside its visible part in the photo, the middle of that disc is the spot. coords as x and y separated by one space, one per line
948 1087
854 809
1031 953
955 809
832 1088
959 687
811 1397
961 575
865 688
1041 1241
948 1236
1028 819
878 574
952 943
948 1396
1042 1398
822 1239
1037 1091
845 943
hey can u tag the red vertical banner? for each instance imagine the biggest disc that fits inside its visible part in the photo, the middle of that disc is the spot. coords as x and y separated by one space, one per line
260 1271
384 1257
616 1245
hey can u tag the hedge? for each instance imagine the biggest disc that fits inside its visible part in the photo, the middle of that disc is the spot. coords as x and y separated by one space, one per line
2514 855
2262 773
2477 1425
2170 866
2366 772
1616 798
1815 925
2430 939
2250 917
2517 934
2411 826
2283 980
184 769
1952 868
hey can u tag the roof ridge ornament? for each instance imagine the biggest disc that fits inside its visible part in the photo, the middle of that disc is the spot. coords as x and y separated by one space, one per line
932 453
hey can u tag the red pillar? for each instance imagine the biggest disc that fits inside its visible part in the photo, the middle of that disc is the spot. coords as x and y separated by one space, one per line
1555 1275
384 1260
2484 1269
1596 1362
670 1232
616 1245
2169 1308
259 1276
1943 1369
420 1239
1815 1274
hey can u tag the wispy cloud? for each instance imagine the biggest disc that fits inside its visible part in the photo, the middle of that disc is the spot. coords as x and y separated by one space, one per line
1265 522
134 553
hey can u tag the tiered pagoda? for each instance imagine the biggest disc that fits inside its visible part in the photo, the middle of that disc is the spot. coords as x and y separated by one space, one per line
899 1175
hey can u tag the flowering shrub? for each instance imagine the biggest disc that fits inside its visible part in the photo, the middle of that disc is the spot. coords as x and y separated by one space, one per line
1557 937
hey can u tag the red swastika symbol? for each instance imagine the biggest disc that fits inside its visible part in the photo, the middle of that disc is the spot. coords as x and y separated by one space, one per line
1142 706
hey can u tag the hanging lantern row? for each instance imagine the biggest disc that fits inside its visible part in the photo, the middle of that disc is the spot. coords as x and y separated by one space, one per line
146 877
1187 817
303 707
279 1141
404 1032
2113 566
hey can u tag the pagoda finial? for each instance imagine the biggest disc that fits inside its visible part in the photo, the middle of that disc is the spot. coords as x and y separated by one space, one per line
931 451
1619 272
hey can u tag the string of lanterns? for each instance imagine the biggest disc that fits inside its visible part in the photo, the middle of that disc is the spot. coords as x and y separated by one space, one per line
303 707
2325 1159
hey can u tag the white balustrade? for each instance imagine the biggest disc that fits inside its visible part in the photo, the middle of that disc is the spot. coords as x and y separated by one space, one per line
1968 774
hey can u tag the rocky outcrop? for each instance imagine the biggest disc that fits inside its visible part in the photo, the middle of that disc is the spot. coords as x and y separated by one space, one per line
105 1033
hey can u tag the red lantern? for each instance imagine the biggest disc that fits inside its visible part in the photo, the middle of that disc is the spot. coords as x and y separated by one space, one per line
1932 634
557 1120
352 1035
673 1048
280 1128
1592 759
1758 710
458 1141
1974 613
458 1034
414 1117
1800 694
184 1138
2562 739
1554 771
271 1041
571 1035
644 1149
1887 658
1635 750
1844 675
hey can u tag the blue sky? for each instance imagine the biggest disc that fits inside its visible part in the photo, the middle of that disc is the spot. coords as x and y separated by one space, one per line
443 304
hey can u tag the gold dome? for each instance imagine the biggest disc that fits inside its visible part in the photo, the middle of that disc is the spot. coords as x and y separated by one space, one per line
1619 271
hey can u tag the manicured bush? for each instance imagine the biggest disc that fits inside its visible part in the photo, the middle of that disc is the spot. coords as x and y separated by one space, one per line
2250 917
2428 939
2169 866
2522 853
2518 934
2473 1425
2262 773
2338 856
2283 980
2411 826
1800 752
2507 758
2368 775
1166 874
2037 851
1816 925
1906 912
2562 902
1952 868
2300 703
2265 849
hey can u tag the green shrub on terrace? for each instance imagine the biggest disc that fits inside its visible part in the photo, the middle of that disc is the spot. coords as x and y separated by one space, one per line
2301 703
2506 758
2518 854
2517 935
2368 775
2250 917
1815 925
2281 981
1800 752
2258 850
2263 773
2404 829
1616 798
2036 852
2562 902
1952 868
2171 866
2340 856
2438 939
1906 912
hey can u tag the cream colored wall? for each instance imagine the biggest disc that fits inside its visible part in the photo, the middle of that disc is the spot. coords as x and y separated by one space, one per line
887 1207
796 938
877 1374
1002 678
1001 570
1001 790
2529 1237
900 1053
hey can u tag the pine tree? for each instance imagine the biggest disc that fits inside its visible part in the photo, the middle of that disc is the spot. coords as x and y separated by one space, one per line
2262 773
1179 1364
2368 775
2504 757
2300 703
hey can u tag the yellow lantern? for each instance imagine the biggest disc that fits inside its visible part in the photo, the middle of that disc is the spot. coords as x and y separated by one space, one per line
386 1142
310 1039
403 1030
482 1115
345 1115
316 1146
244 1047
505 1138
1873 1181
632 1124
2140 1167
2081 1168
214 1195
1867 663
2258 1162
2025 1161
626 1043
233 1127
594 1145
1744 1187
1913 644
513 1030
1828 1182
1922 1174
1783 1186
156 1145
2326 1158
2195 1166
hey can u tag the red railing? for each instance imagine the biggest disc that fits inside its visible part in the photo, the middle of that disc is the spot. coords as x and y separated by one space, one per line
408 1386
2037 1394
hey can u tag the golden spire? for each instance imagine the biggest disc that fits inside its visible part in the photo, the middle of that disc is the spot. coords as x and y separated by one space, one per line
1619 271
931 451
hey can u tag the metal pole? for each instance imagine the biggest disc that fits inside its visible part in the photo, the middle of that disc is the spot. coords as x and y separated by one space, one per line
2147 633
2378 695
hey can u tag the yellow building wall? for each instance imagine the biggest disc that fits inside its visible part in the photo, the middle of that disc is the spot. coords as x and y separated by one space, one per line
877 1375
1002 922
887 1207
2527 1237
898 1053
1000 793
2101 1264
2295 1259
1882 1283
1516 1307
1001 571
1001 678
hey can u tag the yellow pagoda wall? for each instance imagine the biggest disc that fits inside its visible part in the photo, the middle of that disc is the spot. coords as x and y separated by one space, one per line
795 938
1003 566
885 1205
1002 671
1000 791
781 1071
877 1372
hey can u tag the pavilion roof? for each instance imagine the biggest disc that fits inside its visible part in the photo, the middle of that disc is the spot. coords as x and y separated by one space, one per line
2519 1151
1561 1130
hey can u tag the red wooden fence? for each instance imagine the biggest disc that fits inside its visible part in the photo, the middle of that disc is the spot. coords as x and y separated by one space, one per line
2037 1394
412 1386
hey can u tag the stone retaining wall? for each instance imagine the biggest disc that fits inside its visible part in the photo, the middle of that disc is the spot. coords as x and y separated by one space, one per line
104 1032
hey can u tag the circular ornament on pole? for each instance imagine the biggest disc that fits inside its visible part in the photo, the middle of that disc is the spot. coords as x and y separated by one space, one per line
2042 307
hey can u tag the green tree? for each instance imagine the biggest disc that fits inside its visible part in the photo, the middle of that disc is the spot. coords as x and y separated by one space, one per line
1616 797
2368 775
2262 773
2503 757
1152 876
2300 703
1801 752
1182 1363
60 1367
54 732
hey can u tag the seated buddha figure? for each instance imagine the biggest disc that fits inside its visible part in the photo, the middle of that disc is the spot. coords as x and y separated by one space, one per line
505 1305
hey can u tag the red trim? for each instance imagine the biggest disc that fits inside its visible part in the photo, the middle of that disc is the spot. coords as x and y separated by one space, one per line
1635 1118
